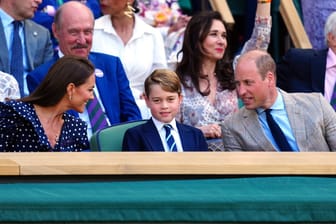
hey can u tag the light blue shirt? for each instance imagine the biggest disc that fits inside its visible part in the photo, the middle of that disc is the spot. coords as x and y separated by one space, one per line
280 116
8 29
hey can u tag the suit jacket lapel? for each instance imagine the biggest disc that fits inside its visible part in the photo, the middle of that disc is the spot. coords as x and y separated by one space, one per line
252 125
296 120
4 59
152 136
30 43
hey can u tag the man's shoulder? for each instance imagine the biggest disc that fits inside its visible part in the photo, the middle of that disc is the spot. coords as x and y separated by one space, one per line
96 57
310 52
30 24
42 69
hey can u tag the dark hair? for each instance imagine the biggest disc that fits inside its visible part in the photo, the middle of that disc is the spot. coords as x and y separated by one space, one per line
192 53
167 79
66 70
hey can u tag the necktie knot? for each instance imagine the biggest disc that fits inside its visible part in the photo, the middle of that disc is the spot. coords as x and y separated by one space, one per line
167 127
16 24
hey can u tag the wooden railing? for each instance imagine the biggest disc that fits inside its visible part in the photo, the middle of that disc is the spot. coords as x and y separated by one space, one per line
161 163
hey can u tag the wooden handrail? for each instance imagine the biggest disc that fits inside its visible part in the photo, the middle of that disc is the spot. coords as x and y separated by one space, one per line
161 163
294 24
9 167
223 8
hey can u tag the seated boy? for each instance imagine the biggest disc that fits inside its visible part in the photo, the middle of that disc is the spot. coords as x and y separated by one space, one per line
161 132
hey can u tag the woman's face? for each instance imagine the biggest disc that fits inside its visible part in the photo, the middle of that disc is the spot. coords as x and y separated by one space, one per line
82 94
215 43
114 7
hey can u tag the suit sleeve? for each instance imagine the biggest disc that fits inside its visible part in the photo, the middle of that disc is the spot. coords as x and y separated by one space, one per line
230 140
129 109
32 81
131 142
203 145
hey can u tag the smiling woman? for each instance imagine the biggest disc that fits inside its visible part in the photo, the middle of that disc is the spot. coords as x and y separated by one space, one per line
38 122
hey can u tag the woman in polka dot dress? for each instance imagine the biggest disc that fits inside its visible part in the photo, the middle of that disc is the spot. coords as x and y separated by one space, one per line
39 122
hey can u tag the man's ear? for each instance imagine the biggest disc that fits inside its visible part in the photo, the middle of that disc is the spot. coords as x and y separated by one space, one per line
270 76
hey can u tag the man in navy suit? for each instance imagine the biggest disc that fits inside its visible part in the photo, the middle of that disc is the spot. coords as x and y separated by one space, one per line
35 39
310 70
73 28
162 132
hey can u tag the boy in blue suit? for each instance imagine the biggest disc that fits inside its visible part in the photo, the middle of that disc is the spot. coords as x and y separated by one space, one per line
163 97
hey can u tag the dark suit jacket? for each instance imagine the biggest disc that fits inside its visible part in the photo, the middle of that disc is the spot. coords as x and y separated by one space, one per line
145 137
37 43
302 70
113 87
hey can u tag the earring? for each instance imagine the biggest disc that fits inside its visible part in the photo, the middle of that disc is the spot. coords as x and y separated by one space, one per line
70 97
129 11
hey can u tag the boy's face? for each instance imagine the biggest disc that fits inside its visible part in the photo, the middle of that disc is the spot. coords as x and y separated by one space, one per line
163 105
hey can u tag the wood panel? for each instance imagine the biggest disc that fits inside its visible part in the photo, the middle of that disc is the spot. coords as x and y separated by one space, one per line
294 24
9 167
193 163
223 7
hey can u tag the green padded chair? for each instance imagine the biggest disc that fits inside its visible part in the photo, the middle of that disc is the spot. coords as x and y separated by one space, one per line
110 139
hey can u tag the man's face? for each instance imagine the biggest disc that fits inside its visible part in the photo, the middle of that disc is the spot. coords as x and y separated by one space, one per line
22 9
252 89
75 32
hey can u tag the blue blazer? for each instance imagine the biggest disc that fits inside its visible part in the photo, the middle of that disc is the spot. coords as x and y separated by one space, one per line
113 87
302 70
38 46
145 137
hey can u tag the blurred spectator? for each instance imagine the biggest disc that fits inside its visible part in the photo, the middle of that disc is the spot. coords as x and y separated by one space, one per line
315 14
167 17
120 32
24 44
9 88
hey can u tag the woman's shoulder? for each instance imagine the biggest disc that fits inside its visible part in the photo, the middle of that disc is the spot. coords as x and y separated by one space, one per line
19 107
102 22
142 25
76 121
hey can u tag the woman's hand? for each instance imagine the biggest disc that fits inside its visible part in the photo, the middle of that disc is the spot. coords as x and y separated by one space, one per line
211 130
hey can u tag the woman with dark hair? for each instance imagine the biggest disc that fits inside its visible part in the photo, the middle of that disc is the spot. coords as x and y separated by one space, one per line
206 70
39 122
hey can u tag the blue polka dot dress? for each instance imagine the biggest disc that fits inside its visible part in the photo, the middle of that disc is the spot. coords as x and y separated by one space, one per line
21 131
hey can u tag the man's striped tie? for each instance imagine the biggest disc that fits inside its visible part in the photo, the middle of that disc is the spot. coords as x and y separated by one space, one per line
169 138
97 117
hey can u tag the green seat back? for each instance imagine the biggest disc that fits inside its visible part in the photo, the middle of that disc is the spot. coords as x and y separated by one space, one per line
110 138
